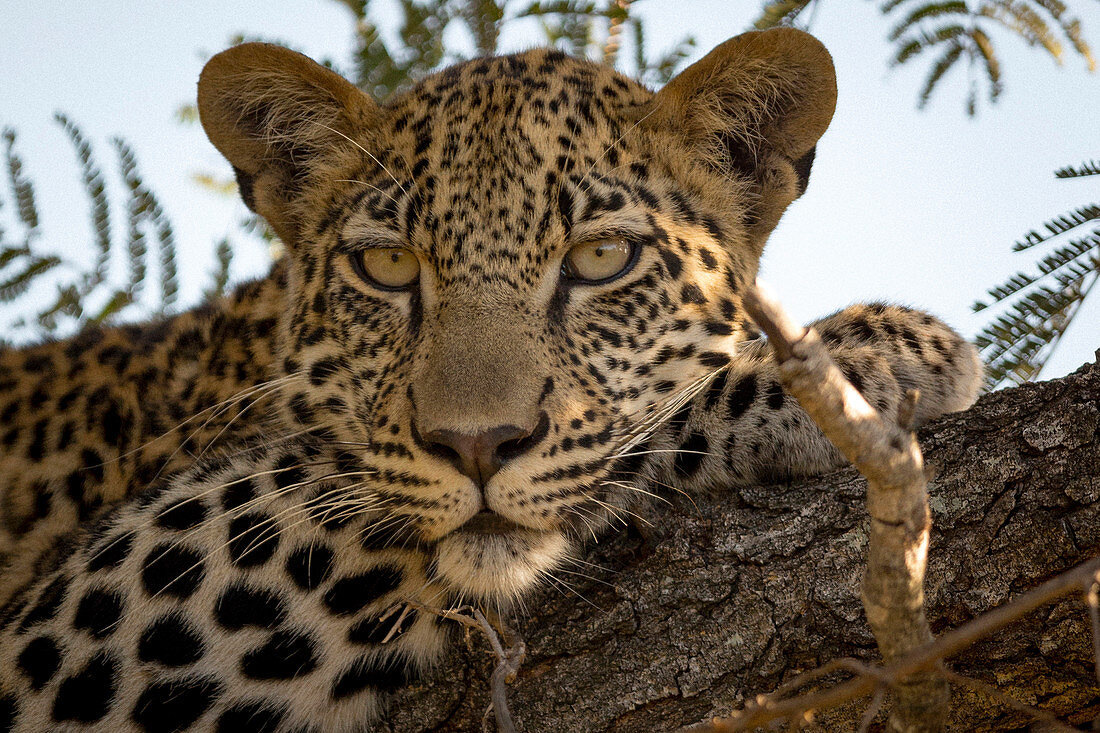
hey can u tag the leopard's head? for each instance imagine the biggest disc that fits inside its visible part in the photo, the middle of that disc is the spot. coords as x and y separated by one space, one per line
500 282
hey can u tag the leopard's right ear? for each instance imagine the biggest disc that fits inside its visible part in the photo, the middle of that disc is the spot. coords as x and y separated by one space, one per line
753 109
277 116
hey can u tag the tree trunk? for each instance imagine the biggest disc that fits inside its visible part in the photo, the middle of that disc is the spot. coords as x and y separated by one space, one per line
743 591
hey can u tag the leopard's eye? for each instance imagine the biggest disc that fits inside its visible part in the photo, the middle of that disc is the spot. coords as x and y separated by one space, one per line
388 268
599 260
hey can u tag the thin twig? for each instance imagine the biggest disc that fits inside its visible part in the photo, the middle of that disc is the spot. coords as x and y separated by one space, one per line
907 410
860 435
509 661
769 708
872 709
509 653
897 500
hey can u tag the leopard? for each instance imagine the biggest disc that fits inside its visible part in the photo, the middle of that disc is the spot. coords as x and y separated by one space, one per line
509 315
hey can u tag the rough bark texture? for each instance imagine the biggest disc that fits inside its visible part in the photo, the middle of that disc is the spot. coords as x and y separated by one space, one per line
745 590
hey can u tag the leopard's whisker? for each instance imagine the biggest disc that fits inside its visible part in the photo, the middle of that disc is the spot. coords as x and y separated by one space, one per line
257 474
660 483
194 497
229 423
368 154
220 406
616 512
349 507
270 529
548 574
370 186
202 427
654 451
646 427
402 522
636 489
577 511
272 521
586 576
299 512
659 412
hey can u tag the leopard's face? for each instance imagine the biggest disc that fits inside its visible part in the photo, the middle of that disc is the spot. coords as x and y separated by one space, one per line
499 284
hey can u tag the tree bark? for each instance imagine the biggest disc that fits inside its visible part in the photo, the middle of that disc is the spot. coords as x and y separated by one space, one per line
745 590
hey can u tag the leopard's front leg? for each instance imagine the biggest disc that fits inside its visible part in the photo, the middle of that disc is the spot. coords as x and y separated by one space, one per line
744 429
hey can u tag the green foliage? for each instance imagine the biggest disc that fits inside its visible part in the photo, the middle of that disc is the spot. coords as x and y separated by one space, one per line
960 32
1091 168
1038 307
50 291
580 27
383 68
56 293
223 255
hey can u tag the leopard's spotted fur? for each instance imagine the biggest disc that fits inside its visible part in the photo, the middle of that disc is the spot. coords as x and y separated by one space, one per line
280 583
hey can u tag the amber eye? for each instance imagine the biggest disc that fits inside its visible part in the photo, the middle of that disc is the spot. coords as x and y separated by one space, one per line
388 268
599 260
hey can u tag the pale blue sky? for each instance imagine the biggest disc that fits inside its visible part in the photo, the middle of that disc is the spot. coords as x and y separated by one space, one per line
914 207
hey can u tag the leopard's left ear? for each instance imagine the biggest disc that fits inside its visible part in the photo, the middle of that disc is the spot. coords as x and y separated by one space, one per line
278 117
755 107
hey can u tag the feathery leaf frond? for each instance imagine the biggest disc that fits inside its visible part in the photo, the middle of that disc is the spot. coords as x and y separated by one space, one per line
1091 168
964 30
22 189
925 12
939 69
224 257
94 188
1059 225
780 13
64 290
1039 306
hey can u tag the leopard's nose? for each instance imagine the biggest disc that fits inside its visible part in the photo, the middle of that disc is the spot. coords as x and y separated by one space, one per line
480 455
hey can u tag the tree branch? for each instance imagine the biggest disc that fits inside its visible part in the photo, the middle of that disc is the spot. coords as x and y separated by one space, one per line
748 590
897 502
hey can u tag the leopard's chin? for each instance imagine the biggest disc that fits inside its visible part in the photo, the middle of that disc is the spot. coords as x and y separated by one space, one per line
498 565
489 522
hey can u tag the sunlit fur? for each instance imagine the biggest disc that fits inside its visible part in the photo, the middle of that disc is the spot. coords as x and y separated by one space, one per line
563 153
298 413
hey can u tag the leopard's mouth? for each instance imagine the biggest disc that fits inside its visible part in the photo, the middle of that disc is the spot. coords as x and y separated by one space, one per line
493 559
488 522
